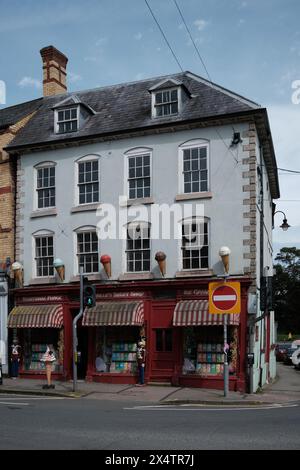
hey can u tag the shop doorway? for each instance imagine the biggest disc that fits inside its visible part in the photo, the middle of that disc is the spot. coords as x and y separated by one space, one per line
82 350
162 363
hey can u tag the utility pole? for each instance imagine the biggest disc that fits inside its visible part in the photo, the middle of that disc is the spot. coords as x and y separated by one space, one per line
75 340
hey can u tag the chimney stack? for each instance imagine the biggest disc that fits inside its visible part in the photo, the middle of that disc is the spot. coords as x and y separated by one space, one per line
54 71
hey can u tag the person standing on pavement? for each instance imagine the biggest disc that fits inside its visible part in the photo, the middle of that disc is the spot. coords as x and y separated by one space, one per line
15 358
141 358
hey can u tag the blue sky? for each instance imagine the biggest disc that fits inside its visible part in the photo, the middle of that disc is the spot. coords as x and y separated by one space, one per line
249 46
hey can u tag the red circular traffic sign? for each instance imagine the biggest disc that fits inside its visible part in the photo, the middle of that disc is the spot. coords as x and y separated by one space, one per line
224 298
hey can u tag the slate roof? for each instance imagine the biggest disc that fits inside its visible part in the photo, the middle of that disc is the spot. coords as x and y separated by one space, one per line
13 114
128 107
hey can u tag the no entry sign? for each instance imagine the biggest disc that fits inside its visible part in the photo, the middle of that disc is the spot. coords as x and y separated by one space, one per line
224 297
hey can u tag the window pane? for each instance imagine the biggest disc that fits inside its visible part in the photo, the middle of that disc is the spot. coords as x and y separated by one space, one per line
159 340
73 113
67 114
168 340
158 98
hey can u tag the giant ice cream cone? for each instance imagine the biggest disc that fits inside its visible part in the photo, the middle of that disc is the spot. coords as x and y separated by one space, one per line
18 273
161 260
224 253
60 268
106 261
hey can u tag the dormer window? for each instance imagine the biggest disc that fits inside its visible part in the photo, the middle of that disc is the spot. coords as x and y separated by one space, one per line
168 98
166 102
70 115
67 120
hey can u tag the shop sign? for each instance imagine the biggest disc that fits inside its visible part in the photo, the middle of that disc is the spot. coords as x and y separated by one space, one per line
224 297
49 298
195 292
113 295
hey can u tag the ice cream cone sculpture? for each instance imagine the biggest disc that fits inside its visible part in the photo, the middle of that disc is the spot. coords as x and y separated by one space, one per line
161 260
60 268
106 261
224 253
18 273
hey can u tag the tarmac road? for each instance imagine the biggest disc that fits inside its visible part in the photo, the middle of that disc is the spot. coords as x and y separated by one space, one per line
62 423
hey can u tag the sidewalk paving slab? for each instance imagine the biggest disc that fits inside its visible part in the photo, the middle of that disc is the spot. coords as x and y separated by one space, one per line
286 389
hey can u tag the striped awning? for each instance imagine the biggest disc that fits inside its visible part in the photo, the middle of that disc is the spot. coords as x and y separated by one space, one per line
36 316
195 313
114 314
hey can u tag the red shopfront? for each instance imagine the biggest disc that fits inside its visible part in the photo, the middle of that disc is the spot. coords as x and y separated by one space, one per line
184 344
36 326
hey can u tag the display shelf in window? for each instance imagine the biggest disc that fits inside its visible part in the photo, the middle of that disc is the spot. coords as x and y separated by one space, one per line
33 360
123 359
210 359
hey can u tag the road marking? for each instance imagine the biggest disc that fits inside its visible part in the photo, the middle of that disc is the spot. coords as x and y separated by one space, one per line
13 403
202 407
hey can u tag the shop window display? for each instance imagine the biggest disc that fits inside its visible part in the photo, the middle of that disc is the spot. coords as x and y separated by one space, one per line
203 350
35 346
116 349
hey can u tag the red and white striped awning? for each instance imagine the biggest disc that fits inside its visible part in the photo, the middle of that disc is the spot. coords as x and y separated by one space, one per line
36 316
195 313
114 314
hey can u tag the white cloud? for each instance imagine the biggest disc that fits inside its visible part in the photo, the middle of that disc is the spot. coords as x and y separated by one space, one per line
241 21
74 77
200 24
101 41
30 82
138 36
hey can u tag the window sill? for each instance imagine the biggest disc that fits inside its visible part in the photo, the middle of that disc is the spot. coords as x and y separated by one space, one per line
138 201
194 273
91 277
43 280
85 207
135 276
43 213
188 196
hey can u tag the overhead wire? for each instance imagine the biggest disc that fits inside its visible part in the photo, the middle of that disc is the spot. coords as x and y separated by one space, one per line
181 68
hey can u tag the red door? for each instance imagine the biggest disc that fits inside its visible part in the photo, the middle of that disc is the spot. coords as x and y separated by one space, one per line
162 361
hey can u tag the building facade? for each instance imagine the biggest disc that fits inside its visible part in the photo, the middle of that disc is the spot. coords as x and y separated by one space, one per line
157 175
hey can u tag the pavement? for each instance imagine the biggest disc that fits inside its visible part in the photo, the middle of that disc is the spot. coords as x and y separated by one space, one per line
284 390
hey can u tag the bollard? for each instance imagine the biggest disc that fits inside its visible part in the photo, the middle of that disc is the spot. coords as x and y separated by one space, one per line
1 379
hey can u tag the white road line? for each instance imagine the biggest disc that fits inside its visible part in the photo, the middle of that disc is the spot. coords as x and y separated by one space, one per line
205 408
11 403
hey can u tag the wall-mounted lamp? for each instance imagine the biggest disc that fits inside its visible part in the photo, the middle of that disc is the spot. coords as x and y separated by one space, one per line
236 139
285 226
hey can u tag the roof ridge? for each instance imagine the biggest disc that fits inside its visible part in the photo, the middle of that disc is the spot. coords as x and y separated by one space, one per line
20 104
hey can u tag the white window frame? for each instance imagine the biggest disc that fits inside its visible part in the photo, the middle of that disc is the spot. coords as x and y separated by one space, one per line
57 121
137 152
83 230
38 167
125 264
195 220
191 144
35 236
154 105
85 159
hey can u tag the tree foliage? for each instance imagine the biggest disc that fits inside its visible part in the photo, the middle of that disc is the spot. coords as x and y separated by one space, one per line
286 284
